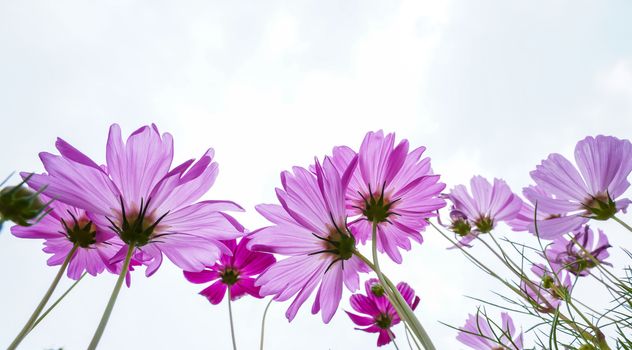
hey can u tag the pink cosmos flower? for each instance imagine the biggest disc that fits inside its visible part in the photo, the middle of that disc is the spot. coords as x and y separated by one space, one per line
145 203
481 333
391 187
481 211
604 164
310 228
236 272
381 316
62 228
573 254
547 293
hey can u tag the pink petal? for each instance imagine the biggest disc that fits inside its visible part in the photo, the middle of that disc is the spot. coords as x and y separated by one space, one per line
215 292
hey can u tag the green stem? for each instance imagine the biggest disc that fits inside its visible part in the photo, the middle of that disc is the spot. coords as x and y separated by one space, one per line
108 309
29 324
622 223
403 309
263 323
392 336
56 302
407 332
230 316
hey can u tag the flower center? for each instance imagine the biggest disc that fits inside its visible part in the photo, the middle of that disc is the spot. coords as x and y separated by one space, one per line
81 232
461 227
577 262
485 224
601 206
339 243
383 321
137 228
229 276
376 208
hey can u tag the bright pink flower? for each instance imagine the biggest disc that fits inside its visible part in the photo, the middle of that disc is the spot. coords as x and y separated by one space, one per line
62 228
480 333
145 203
310 228
604 164
236 271
481 211
573 254
392 187
381 316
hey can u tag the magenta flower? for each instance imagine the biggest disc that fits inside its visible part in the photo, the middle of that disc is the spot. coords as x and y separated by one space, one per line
550 290
481 211
62 228
604 164
524 221
392 188
579 254
310 228
381 316
234 271
142 201
481 333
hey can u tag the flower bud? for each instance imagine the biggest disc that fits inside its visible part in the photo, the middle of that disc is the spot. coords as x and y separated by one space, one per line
377 290
19 204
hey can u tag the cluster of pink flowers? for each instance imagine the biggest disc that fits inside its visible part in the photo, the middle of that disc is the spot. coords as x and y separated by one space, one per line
558 208
138 208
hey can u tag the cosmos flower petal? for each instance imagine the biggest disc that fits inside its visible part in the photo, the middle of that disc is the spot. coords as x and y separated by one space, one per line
331 292
551 228
215 292
190 253
138 165
558 176
305 291
76 184
187 187
605 162
384 338
203 276
202 219
360 320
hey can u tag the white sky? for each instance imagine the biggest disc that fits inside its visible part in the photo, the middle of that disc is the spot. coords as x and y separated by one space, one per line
489 87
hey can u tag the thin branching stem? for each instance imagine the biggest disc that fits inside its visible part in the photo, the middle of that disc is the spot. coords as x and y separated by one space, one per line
38 310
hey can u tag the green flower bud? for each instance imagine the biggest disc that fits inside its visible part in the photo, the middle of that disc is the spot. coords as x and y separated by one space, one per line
19 204
377 289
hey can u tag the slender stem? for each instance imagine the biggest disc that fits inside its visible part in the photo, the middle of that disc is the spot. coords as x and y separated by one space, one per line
29 324
407 332
230 316
263 323
392 336
50 308
622 223
108 309
403 309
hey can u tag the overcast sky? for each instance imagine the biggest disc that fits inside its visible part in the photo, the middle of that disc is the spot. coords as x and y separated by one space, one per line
490 87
